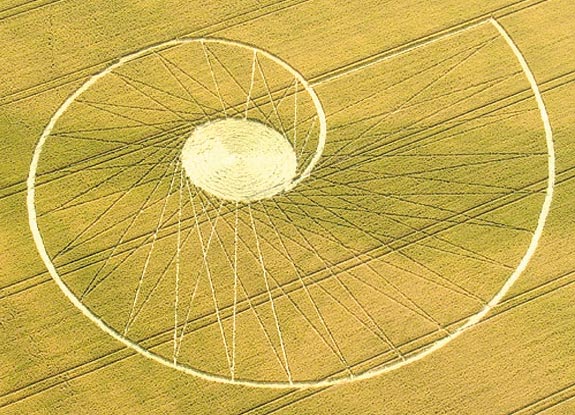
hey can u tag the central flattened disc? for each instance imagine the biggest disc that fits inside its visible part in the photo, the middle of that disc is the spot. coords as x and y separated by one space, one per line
239 159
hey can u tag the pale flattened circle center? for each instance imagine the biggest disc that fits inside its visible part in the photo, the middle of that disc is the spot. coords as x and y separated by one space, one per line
239 160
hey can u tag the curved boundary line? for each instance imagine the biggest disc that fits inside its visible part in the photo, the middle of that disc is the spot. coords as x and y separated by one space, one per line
472 321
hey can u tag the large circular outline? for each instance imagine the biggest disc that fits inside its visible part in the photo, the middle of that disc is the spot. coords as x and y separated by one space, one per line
472 320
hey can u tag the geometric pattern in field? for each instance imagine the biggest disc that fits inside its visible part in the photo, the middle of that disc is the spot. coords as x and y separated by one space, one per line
422 205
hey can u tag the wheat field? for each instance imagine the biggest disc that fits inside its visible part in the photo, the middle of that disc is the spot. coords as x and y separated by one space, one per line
287 207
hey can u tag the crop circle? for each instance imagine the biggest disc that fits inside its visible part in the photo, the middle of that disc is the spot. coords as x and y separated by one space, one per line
193 221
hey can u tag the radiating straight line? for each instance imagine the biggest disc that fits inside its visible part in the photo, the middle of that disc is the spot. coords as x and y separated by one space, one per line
159 280
157 89
269 93
125 78
272 302
459 290
386 115
382 117
378 331
235 291
233 78
93 284
214 78
247 297
188 93
100 107
198 277
113 128
123 166
144 242
111 206
394 137
415 173
334 346
280 99
418 310
188 313
194 80
177 282
205 249
150 251
108 155
252 77
430 206
355 207
307 137
132 107
239 85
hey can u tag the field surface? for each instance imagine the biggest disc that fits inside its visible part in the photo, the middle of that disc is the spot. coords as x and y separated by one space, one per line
418 259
